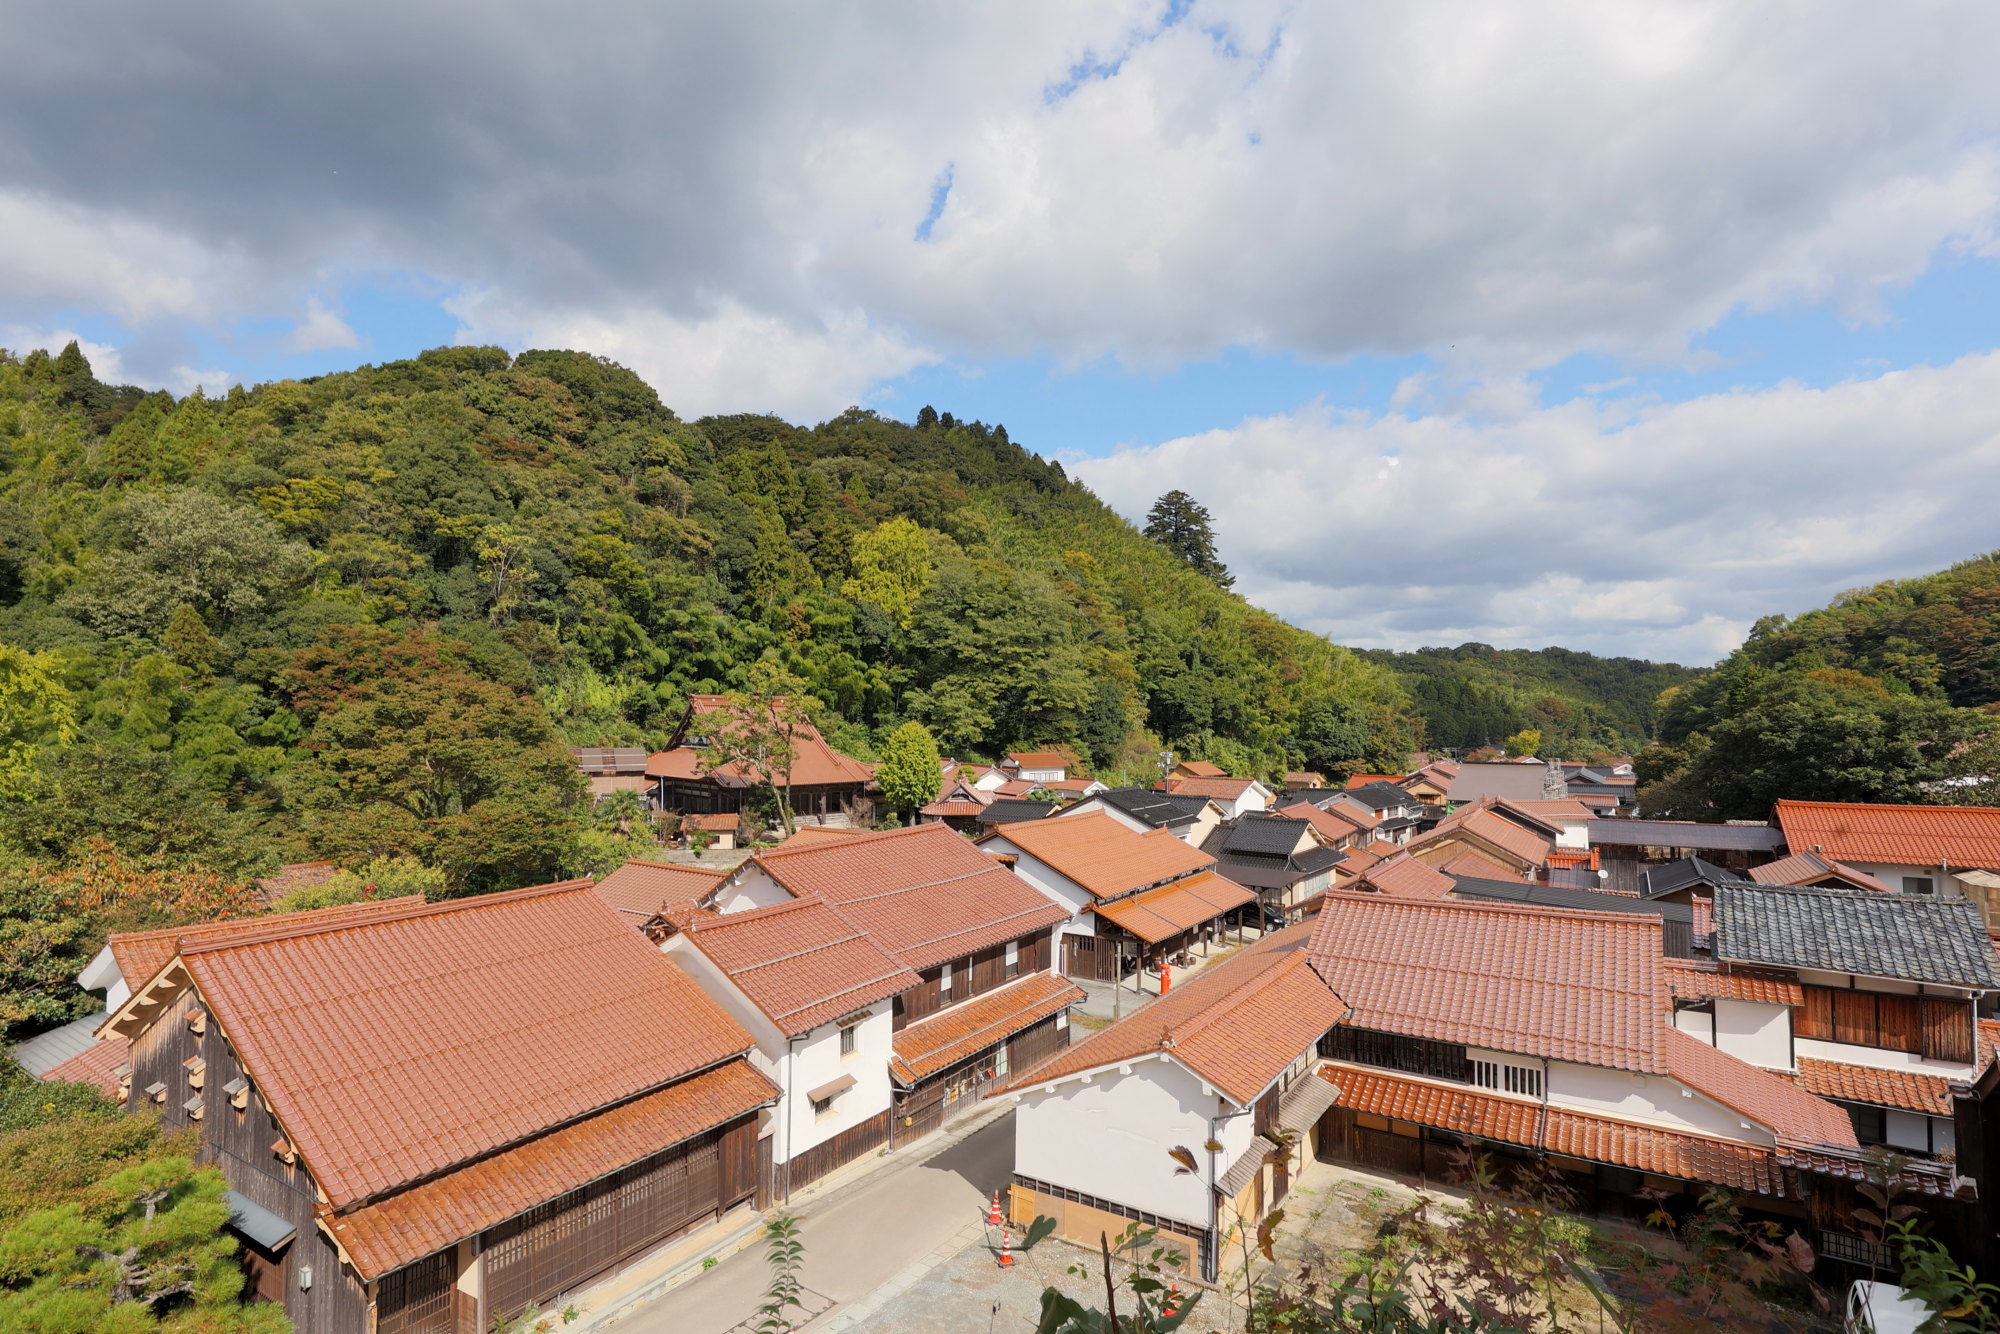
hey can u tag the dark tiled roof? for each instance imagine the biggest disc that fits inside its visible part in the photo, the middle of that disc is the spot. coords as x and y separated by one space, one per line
1685 834
1159 809
1007 810
1577 900
1911 937
1684 874
1380 796
1263 835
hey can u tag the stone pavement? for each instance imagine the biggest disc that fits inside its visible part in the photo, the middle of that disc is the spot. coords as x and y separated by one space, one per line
863 1228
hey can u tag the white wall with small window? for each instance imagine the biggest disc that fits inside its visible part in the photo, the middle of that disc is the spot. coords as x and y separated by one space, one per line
1644 1097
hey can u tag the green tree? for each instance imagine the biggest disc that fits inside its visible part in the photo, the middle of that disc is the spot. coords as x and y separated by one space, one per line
462 772
892 568
36 712
1181 525
909 771
1524 742
147 1252
1331 736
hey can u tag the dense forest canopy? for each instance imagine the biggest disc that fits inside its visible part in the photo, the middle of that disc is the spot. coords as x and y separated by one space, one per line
1581 704
362 615
1890 693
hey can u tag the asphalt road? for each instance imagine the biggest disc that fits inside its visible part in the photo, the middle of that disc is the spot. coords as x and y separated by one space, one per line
854 1241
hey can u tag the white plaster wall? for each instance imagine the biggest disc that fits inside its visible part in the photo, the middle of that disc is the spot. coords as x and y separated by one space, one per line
101 974
750 888
816 1060
1696 1023
1876 1058
1759 1034
1058 887
1653 1098
1572 834
1087 807
1111 1137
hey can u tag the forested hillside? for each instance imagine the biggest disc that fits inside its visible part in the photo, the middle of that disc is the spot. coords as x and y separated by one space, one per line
1891 693
362 615
1581 704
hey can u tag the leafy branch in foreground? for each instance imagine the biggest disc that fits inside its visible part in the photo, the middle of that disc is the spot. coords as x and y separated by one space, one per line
785 1253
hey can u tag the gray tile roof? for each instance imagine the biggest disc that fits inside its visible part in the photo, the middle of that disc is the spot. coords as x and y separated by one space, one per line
1910 937
1685 873
1006 810
1686 834
1159 809
1267 835
41 1054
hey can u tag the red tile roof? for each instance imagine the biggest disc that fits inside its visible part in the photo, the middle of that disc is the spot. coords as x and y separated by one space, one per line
1805 868
816 835
945 809
397 1046
1363 780
943 1040
1690 980
1484 824
1907 1089
1792 1114
1202 769
1560 1130
1154 915
801 963
1238 1024
720 822
923 893
1965 836
1041 759
141 954
1404 875
1333 826
1478 868
416 1222
1572 986
1221 789
95 1065
642 888
815 762
1102 855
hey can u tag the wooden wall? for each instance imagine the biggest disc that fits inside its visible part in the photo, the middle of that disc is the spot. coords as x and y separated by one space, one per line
239 1144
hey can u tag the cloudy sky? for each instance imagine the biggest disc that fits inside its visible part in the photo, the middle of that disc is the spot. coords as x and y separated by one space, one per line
1602 324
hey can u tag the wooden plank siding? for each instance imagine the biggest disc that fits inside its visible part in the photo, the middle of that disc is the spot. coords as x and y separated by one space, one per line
971 975
562 1244
238 1143
1936 1027
837 1152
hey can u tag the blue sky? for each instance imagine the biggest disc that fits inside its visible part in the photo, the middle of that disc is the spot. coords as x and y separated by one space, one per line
1617 327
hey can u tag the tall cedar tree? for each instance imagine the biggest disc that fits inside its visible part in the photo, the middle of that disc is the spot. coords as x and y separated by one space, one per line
1180 525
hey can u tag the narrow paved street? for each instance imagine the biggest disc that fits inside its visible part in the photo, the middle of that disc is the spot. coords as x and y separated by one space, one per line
854 1240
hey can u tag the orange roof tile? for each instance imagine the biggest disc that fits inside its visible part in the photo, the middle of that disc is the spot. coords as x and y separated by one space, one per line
1484 824
801 963
141 954
1406 876
1363 780
943 1040
1356 863
1907 1089
1691 980
1966 836
1154 915
814 835
1104 856
1202 769
1792 1114
1222 789
1041 759
413 1223
95 1065
1568 807
1805 868
1574 1134
1333 826
719 822
397 1046
1573 986
815 762
1478 868
944 809
923 893
642 888
1237 1024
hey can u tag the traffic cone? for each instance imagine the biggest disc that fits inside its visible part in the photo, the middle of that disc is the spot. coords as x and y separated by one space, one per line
1006 1250
993 1218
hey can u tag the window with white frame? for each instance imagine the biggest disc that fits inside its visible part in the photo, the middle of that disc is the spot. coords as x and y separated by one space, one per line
1506 1077
944 980
1013 958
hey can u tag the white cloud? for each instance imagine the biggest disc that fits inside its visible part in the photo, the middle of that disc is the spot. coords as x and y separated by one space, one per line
1500 186
1663 534
321 330
105 362
733 360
